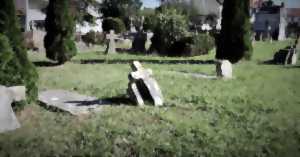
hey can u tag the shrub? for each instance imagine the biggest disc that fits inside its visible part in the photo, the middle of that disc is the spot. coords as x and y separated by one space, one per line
115 24
202 44
293 29
93 38
89 38
150 22
195 45
15 66
170 28
100 38
60 27
6 52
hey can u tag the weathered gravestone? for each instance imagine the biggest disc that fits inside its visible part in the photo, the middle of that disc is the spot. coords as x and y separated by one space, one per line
286 57
111 44
8 120
297 43
148 41
224 69
143 86
71 102
283 23
132 27
139 42
293 58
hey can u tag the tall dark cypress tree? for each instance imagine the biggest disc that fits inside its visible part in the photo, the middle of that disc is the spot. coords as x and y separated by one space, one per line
15 68
60 27
234 42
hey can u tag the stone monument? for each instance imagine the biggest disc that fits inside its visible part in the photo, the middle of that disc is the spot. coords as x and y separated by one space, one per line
111 43
8 119
132 27
143 86
219 21
283 23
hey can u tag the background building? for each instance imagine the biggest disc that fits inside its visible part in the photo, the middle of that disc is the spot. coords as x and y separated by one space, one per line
32 16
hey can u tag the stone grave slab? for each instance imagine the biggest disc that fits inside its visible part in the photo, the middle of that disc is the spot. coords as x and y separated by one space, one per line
143 86
8 119
72 102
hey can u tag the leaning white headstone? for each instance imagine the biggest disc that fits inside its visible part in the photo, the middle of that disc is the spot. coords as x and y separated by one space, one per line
8 119
294 59
143 86
224 69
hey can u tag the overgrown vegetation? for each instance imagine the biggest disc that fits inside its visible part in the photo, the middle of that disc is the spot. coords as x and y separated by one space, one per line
15 69
171 27
247 116
115 24
122 9
172 36
93 38
193 45
60 27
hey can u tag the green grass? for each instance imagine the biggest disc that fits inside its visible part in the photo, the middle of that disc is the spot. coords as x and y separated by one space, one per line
256 114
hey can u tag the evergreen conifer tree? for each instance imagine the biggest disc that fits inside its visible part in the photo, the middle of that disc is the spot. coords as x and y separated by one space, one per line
60 27
234 41
15 68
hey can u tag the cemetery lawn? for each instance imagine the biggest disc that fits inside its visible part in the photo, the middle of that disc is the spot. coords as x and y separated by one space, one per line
256 114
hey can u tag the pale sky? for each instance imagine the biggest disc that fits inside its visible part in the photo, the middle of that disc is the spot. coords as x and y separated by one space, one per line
152 3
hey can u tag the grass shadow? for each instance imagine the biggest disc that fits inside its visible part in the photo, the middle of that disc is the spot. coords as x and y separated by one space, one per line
45 64
292 67
151 61
52 108
114 101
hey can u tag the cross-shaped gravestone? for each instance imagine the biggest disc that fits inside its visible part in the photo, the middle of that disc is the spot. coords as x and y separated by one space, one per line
8 119
143 86
111 44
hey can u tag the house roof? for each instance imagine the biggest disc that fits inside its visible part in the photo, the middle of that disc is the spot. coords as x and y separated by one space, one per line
293 12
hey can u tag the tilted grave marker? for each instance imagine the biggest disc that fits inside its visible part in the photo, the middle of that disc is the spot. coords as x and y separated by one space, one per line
286 57
8 119
143 86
